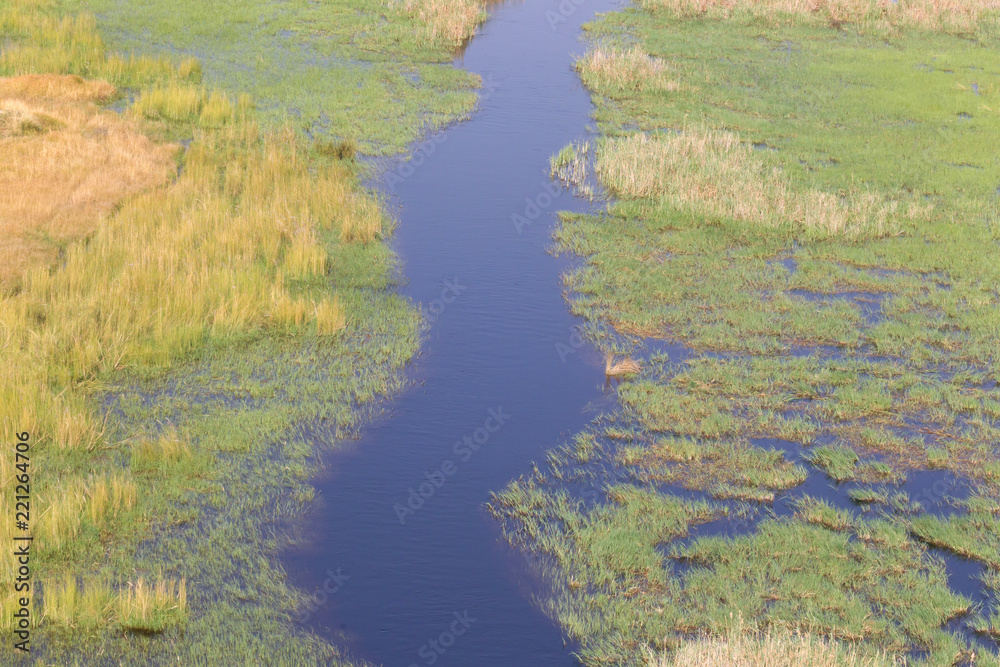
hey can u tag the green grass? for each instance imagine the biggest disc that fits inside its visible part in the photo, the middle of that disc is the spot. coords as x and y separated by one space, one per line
838 462
812 210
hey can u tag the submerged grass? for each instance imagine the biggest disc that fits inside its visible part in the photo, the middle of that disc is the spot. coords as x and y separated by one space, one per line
809 207
385 66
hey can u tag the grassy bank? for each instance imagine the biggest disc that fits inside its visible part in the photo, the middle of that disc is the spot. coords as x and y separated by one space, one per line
804 197
195 294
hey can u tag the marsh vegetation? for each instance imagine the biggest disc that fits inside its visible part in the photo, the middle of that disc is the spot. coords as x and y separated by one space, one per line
803 196
187 284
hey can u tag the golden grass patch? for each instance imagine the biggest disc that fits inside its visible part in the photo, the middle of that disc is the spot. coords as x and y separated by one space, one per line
63 165
714 173
330 316
948 15
59 87
451 21
624 69
778 649
205 255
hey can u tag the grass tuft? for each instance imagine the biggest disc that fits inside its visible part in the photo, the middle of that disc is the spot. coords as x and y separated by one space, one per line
80 163
152 608
448 21
620 70
345 149
362 222
620 367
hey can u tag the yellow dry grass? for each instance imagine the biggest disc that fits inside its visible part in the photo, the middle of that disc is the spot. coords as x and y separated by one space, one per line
948 15
64 165
162 270
624 69
206 255
713 173
49 43
330 316
94 602
60 87
451 21
768 650
363 221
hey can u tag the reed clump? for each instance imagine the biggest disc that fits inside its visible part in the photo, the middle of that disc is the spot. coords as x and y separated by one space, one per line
68 604
363 220
448 21
167 448
94 603
330 317
152 607
769 649
614 367
617 70
571 165
238 242
713 173
179 101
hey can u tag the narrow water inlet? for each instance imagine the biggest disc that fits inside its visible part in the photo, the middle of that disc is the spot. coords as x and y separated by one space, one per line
421 576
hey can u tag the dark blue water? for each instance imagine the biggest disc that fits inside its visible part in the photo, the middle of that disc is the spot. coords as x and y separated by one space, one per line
499 349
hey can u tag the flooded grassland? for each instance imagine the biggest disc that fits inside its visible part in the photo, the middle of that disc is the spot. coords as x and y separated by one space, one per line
803 214
196 277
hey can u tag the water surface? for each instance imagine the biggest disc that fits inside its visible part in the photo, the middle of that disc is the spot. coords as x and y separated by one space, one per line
497 314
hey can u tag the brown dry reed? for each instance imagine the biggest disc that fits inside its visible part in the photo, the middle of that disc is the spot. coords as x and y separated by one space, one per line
771 649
